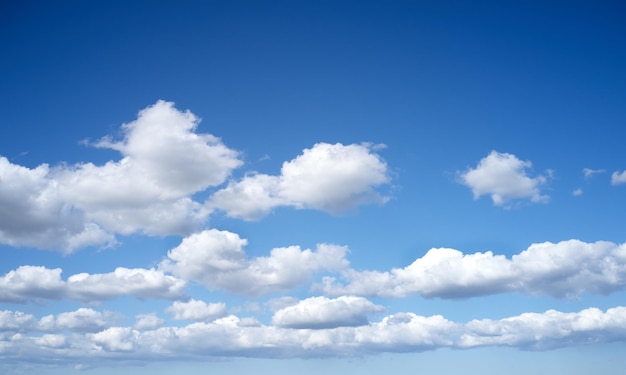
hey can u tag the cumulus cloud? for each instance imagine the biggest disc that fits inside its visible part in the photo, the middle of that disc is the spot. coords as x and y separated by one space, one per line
334 178
322 312
505 178
564 270
34 213
41 283
164 162
618 178
82 320
217 260
399 332
196 310
148 321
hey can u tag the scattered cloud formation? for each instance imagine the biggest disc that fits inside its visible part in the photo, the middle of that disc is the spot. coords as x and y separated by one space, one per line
217 260
331 178
164 161
505 178
234 336
322 312
150 189
563 270
618 178
41 283
81 320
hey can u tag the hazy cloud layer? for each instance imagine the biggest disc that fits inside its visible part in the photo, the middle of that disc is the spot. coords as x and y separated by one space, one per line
332 178
565 269
41 283
233 336
217 260
505 178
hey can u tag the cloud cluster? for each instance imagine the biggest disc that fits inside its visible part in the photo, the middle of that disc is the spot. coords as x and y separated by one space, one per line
150 189
81 320
563 270
217 260
164 161
331 178
234 336
41 283
505 178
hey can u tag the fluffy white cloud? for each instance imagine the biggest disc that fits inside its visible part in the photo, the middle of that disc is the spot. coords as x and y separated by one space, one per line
322 312
217 260
83 320
31 282
16 321
399 332
549 330
196 310
504 177
139 282
332 178
164 162
41 283
33 212
618 178
564 269
148 321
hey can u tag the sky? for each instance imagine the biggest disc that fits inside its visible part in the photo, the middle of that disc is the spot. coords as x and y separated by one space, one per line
312 186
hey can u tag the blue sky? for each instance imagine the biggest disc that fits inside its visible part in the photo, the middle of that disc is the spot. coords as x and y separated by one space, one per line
312 186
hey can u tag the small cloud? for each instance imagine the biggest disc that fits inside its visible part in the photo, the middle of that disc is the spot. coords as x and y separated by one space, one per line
505 178
618 178
588 172
578 192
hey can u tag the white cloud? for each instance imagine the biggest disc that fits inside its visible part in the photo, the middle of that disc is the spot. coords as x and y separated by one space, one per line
564 269
332 178
31 282
139 282
148 321
16 321
164 162
322 312
504 177
217 260
549 330
196 310
588 172
399 332
83 320
618 178
41 283
578 192
33 212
